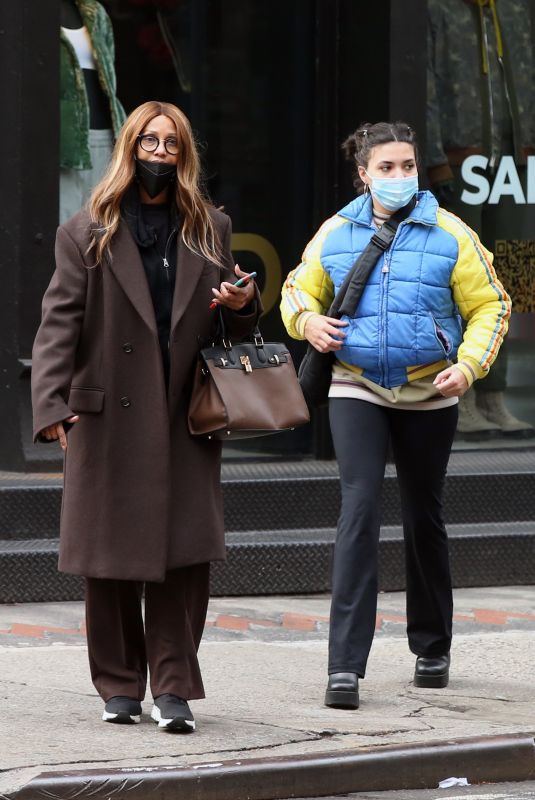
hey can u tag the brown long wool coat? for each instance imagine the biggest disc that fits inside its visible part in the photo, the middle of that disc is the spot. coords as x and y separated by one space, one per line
141 496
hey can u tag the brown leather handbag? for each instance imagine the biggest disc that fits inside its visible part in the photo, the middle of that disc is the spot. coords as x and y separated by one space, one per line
244 390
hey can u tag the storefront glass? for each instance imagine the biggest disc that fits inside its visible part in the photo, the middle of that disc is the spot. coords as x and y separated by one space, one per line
481 166
243 73
249 76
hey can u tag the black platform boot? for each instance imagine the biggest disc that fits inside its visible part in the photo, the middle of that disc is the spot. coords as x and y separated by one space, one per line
342 690
432 673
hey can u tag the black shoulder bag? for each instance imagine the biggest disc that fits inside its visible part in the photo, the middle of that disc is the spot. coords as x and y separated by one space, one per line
316 368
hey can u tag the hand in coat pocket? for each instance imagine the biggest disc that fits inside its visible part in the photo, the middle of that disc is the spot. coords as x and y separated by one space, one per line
57 431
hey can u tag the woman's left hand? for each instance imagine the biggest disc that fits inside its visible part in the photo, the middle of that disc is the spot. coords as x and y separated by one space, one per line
451 382
235 297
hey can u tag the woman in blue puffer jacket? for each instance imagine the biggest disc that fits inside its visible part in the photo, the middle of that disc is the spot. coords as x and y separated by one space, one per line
402 362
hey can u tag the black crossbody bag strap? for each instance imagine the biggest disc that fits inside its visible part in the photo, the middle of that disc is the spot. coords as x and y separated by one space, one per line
316 368
347 298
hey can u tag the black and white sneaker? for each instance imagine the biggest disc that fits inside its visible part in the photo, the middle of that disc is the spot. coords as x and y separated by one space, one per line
122 710
173 714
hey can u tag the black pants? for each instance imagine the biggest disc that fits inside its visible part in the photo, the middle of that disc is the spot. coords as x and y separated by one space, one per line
421 443
121 646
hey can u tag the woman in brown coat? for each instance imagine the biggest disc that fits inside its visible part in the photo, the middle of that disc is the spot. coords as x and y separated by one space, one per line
125 314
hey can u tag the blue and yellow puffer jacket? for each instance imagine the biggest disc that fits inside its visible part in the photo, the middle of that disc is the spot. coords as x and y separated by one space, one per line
408 321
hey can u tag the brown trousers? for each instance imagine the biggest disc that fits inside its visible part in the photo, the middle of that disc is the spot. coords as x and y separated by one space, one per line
121 647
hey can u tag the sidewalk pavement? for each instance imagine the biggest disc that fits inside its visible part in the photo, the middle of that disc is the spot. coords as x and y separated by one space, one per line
264 665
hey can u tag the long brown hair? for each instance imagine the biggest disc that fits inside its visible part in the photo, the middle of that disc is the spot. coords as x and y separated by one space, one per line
198 231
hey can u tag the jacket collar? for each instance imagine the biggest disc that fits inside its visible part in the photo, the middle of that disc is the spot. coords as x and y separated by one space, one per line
127 266
359 210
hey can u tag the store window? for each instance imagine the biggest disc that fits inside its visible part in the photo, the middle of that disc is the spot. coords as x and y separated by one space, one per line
481 166
271 90
244 74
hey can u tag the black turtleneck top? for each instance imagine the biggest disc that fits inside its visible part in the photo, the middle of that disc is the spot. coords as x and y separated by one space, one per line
155 229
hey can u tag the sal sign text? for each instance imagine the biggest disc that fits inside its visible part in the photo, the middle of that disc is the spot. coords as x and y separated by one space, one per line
506 183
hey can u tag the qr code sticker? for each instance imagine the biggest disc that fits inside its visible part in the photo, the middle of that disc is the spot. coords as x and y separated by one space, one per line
514 261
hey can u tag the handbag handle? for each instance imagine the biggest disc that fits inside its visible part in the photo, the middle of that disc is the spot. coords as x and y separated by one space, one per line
221 336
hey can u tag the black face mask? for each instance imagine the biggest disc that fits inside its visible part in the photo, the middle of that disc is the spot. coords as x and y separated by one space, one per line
154 176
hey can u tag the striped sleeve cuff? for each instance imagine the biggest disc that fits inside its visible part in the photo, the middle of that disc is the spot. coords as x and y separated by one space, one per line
471 370
302 320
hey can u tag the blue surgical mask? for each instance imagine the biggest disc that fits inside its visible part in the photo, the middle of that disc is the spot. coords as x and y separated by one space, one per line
393 193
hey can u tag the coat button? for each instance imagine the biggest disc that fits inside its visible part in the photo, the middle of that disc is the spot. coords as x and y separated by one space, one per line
125 402
127 347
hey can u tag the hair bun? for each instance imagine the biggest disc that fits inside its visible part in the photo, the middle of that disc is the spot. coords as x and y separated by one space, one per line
359 145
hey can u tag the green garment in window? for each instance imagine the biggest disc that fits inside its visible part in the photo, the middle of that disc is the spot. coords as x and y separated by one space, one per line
74 105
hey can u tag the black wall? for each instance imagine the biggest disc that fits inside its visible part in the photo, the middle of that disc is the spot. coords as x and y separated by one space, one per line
29 97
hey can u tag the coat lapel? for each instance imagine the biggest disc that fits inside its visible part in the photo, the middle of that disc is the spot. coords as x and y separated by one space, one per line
188 272
127 267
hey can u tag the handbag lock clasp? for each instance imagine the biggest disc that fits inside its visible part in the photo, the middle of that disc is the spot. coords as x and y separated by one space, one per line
245 361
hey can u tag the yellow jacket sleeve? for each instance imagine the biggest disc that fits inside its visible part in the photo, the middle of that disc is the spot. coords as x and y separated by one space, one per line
481 298
308 288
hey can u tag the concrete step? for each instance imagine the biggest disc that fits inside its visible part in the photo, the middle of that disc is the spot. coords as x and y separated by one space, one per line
282 518
291 561
480 487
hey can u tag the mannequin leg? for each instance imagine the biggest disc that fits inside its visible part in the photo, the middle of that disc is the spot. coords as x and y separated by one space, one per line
76 185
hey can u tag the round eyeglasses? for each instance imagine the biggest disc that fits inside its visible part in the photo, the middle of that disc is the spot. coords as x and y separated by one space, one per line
149 142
